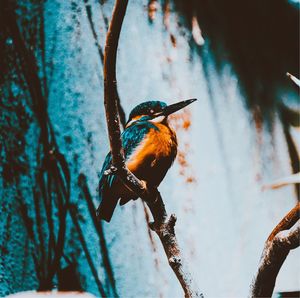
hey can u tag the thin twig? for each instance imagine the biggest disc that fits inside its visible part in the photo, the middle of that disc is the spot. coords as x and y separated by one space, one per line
73 213
90 19
54 160
284 181
287 222
284 237
40 231
163 225
293 78
82 183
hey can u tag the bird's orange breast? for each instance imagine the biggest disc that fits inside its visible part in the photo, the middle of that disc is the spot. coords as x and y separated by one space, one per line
157 145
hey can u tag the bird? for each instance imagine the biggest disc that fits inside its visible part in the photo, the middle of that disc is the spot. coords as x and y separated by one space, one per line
150 148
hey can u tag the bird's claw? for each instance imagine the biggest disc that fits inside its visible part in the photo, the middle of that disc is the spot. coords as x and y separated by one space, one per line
110 171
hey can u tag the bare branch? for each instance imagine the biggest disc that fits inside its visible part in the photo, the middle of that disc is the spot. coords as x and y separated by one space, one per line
284 181
284 237
293 78
110 98
88 9
82 183
287 222
163 226
74 217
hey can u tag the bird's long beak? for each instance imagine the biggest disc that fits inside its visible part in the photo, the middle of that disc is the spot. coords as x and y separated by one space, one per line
168 110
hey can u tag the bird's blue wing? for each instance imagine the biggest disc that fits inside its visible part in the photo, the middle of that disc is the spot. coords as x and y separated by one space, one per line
133 135
131 138
106 166
107 200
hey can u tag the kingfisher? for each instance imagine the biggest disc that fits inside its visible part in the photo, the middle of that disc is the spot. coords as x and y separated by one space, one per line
150 148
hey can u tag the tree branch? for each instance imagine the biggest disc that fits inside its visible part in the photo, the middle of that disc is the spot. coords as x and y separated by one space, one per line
293 78
110 98
163 226
284 237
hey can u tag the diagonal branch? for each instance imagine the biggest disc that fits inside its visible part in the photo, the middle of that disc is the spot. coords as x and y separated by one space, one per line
284 237
163 226
294 79
287 222
55 162
74 217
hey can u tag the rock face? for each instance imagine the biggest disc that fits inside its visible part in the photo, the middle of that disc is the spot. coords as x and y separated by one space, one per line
225 154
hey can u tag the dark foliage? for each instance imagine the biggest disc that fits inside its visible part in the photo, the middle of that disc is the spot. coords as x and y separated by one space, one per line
259 38
23 102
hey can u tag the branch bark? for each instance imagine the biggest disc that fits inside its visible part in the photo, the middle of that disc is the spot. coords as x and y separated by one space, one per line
163 225
284 237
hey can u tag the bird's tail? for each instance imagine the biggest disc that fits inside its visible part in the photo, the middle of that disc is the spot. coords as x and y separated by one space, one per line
106 208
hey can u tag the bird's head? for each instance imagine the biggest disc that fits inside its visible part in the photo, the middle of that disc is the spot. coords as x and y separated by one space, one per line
155 111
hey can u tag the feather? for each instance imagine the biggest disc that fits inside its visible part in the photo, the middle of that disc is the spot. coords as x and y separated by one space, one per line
146 146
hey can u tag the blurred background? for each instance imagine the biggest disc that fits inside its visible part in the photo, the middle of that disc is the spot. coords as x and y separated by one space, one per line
234 142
